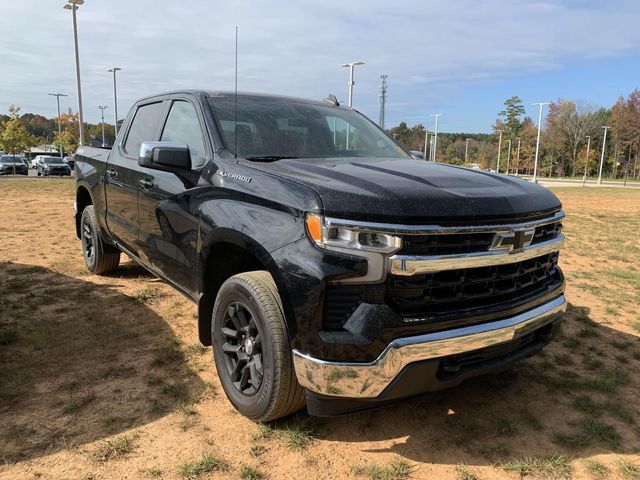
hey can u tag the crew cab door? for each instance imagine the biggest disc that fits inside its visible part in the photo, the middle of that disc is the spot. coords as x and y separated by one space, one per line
168 221
123 175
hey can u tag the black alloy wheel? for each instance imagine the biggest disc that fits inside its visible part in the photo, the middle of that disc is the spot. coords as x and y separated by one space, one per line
242 349
88 245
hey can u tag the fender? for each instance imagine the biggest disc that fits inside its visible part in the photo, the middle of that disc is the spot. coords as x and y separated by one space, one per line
222 235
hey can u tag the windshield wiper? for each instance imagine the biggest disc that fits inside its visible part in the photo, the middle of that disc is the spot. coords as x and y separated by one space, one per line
270 158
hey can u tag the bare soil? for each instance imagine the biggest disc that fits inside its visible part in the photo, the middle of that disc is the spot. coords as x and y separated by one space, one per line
103 377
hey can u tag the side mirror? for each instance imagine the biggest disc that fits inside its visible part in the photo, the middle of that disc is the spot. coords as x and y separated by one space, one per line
168 156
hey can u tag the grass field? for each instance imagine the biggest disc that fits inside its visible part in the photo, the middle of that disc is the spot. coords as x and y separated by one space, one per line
103 377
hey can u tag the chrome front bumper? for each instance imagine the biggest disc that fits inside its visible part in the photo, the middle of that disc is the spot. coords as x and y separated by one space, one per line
369 380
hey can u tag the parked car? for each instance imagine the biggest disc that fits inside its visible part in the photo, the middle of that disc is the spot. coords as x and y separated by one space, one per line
52 166
10 165
69 160
33 163
417 154
341 274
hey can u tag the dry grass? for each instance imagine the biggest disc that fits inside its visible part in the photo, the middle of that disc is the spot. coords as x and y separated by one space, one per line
113 366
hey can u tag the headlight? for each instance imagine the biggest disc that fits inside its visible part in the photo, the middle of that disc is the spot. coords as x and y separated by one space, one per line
341 236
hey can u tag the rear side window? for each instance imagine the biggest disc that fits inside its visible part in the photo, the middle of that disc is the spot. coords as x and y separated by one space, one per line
182 126
143 127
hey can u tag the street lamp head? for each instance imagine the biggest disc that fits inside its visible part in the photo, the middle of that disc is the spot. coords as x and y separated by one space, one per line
72 4
351 64
114 69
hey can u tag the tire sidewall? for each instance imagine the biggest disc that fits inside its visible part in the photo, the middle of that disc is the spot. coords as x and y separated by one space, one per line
255 405
89 218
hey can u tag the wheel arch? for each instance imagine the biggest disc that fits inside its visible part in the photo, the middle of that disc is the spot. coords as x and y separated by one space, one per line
226 255
83 199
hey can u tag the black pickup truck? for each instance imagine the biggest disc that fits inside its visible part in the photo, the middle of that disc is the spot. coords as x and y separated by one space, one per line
329 267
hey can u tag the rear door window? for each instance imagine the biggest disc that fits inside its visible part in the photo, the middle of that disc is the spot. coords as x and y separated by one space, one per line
143 127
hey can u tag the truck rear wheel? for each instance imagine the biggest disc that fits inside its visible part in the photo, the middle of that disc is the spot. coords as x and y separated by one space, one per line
99 257
251 348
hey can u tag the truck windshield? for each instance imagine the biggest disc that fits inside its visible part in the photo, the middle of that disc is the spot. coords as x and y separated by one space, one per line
272 128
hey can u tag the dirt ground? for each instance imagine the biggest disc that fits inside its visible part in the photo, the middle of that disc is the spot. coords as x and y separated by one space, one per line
103 377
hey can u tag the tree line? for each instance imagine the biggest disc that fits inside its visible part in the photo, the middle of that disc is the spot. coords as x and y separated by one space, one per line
19 132
569 128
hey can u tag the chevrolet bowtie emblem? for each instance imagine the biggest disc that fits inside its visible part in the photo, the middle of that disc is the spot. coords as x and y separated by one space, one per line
514 240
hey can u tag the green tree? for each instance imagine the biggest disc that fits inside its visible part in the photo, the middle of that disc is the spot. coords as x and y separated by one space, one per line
14 138
510 117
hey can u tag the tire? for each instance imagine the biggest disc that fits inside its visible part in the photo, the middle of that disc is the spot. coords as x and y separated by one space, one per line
99 257
276 392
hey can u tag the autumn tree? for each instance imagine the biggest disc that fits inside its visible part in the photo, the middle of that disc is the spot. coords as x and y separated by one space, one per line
625 130
568 125
68 139
14 138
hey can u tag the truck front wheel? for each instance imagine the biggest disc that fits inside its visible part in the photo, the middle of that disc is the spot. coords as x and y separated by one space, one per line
99 257
251 348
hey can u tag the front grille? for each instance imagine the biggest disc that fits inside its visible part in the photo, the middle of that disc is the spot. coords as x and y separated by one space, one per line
451 294
546 232
434 294
449 244
463 243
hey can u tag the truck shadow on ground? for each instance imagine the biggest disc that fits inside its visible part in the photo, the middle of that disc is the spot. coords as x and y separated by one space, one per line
80 362
577 398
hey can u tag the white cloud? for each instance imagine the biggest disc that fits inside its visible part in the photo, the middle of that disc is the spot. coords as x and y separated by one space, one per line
429 49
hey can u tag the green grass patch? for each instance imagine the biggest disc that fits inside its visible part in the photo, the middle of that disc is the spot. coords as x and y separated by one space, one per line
552 466
396 470
298 432
197 468
247 472
115 448
596 470
78 403
463 473
147 294
628 470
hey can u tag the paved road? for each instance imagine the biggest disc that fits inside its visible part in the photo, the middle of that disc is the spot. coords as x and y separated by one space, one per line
570 182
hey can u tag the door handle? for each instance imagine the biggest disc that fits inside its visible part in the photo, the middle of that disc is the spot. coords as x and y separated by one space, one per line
112 173
146 183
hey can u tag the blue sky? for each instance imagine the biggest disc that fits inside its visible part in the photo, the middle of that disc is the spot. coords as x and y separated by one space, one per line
462 58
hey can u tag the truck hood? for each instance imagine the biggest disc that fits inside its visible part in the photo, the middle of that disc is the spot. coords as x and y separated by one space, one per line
414 191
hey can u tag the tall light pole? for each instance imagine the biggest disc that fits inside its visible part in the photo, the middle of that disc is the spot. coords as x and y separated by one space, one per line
426 140
499 149
604 145
586 161
115 96
466 150
535 164
73 6
435 136
383 98
351 67
508 156
518 157
58 95
102 109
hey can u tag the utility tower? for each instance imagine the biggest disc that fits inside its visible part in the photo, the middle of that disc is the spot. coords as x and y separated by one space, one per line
383 98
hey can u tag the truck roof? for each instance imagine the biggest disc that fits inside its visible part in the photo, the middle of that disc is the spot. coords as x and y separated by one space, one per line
231 94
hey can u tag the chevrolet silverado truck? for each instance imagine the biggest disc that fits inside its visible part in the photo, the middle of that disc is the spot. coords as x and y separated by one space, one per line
328 266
